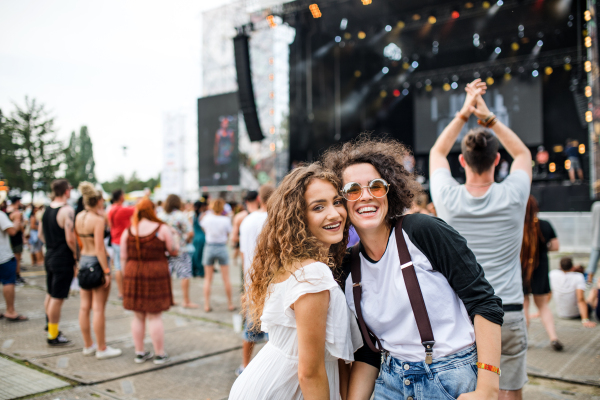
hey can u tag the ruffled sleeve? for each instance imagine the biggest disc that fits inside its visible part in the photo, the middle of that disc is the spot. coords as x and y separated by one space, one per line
312 278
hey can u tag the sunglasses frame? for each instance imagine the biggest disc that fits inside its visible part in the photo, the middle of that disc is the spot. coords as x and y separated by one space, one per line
348 185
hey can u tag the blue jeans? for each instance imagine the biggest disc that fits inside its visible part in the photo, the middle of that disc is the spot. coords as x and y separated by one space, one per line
445 379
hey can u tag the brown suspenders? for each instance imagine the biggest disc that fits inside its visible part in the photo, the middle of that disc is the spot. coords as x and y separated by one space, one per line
414 294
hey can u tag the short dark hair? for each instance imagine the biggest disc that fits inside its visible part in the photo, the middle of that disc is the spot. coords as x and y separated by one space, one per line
252 195
479 148
60 187
116 195
386 155
173 202
566 263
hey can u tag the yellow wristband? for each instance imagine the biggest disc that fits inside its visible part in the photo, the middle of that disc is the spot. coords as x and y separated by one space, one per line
489 368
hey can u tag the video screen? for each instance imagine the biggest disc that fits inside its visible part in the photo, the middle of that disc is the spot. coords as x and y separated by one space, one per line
517 103
218 154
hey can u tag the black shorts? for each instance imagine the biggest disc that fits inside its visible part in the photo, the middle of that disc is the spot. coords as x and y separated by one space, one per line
59 275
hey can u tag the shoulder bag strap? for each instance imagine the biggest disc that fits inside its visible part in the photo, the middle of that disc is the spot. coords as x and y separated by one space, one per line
414 294
357 293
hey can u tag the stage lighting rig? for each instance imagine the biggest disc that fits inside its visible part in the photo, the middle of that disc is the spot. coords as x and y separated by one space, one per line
315 11
366 2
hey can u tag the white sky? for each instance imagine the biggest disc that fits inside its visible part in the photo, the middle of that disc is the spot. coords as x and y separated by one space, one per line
114 65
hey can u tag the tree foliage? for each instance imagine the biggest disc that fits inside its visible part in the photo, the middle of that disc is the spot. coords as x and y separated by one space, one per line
131 184
35 153
79 158
10 164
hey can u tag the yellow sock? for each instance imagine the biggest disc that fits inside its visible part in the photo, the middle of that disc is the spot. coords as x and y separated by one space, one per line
52 331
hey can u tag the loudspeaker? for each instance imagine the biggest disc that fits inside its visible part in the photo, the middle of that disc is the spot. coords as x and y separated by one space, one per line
245 90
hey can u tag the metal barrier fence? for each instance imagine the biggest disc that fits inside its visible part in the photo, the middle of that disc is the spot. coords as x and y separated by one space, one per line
573 229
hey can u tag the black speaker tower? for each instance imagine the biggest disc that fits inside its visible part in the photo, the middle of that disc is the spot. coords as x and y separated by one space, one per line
245 90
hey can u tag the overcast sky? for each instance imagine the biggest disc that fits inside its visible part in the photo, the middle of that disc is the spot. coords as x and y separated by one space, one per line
116 66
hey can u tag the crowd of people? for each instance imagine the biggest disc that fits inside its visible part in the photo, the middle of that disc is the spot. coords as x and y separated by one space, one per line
361 284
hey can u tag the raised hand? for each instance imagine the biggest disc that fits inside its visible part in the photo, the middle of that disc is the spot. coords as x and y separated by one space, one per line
475 89
479 108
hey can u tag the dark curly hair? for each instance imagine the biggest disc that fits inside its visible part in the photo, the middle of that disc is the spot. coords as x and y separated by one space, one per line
387 156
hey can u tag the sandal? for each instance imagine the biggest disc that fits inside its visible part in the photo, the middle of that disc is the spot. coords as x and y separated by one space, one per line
18 318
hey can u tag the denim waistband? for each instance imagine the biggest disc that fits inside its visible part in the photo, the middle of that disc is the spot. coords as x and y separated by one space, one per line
216 244
463 357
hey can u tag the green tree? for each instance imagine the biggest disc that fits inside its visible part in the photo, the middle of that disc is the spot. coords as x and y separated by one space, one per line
79 158
38 151
10 164
134 183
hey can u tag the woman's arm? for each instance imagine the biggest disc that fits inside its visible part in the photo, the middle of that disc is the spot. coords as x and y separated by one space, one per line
171 244
100 250
553 244
344 378
489 342
362 381
311 321
124 237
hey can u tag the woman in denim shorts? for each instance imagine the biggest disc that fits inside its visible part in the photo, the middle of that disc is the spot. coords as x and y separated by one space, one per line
464 313
217 228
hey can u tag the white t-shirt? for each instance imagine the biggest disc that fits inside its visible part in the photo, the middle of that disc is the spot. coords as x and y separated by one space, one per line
492 225
564 289
5 250
396 327
216 228
249 230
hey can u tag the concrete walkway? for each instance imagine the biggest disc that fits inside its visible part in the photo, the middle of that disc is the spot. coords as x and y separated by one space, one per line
205 351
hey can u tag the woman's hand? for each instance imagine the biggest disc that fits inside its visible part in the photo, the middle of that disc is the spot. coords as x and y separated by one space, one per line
106 281
480 394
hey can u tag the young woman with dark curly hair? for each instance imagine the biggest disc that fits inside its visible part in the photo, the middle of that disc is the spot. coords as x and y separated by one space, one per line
464 315
293 295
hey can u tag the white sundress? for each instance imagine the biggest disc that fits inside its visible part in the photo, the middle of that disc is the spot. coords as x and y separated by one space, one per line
273 373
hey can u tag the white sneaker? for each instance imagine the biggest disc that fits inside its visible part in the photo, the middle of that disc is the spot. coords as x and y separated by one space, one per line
109 352
90 351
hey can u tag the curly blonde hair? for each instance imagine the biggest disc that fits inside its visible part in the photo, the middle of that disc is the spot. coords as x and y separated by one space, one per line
91 195
285 240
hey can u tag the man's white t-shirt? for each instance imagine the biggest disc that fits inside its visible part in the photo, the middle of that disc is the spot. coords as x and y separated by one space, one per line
564 289
216 228
249 230
6 253
492 225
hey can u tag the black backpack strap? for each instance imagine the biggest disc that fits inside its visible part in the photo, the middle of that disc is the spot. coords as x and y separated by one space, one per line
414 294
357 293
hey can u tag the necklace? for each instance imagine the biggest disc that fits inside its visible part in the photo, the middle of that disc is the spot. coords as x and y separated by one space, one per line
482 185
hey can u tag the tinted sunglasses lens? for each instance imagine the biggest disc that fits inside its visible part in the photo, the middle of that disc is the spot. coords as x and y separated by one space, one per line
352 192
378 188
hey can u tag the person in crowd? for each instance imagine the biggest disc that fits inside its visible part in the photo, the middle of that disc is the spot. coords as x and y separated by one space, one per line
146 278
249 231
57 231
200 208
568 287
252 203
8 265
89 227
119 219
538 239
419 204
541 160
217 228
595 250
36 245
159 207
16 241
490 216
292 294
464 314
180 264
572 152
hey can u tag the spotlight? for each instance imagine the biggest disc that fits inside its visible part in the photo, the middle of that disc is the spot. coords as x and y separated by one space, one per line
587 66
582 148
446 87
428 88
357 74
535 73
362 35
552 167
366 2
568 67
400 24
567 164
388 28
588 116
415 64
588 41
455 14
486 4
498 50
588 91
347 35
454 85
432 20
500 3
514 46
587 15
540 43
548 70
489 81
468 5
344 24
315 11
507 76
405 92
385 70
396 93
338 39
416 17
383 93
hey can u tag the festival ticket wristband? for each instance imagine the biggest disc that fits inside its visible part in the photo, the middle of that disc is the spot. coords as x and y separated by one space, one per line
107 272
489 368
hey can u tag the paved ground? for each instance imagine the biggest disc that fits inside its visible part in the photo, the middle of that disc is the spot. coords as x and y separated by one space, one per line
205 351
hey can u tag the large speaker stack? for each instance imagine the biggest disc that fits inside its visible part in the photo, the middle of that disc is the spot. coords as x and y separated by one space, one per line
245 90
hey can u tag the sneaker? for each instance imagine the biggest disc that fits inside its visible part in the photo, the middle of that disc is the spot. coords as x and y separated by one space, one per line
239 370
20 281
109 352
159 360
140 358
60 341
556 345
90 351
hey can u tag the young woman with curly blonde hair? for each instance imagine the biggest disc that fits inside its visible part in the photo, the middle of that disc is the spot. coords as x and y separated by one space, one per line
294 297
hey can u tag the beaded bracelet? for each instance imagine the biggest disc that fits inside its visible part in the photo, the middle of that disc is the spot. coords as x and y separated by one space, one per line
489 368
461 116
